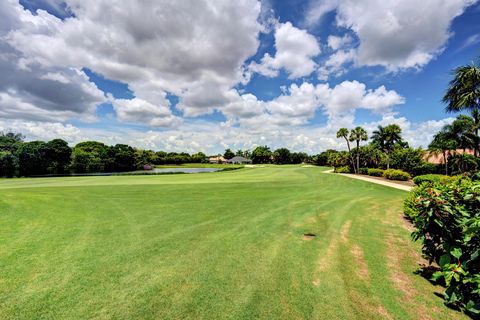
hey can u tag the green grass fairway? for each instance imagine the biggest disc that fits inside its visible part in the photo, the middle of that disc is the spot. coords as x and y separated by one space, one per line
209 246
200 165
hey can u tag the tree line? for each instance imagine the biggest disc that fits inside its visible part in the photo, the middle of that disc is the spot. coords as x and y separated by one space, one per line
19 158
263 155
458 143
385 149
56 157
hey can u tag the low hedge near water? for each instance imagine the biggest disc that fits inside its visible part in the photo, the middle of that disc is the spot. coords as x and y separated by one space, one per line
395 174
446 216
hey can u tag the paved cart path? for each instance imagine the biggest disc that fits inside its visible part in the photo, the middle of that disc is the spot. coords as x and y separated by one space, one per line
383 183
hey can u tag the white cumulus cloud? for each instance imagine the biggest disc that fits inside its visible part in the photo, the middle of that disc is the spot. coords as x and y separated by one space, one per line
394 34
295 50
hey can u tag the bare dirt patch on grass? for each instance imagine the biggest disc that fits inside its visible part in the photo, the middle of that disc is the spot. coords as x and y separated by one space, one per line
402 281
359 257
384 313
326 260
345 230
311 220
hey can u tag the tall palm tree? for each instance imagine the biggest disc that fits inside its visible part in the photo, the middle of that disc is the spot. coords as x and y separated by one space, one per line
386 138
343 133
358 134
462 131
460 134
442 143
463 93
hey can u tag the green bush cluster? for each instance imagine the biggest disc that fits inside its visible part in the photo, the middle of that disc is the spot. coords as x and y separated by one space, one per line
375 172
343 169
396 174
447 221
432 178
363 171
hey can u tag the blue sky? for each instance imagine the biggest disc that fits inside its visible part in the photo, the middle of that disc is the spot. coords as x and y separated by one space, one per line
207 75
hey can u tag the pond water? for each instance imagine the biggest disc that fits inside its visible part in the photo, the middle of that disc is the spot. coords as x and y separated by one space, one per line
183 170
154 171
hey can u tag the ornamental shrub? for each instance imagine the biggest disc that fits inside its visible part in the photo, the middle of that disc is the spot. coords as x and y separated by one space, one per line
396 174
363 171
344 169
375 172
446 217
432 178
426 168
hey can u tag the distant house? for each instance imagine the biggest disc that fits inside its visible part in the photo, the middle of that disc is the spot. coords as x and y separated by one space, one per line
217 159
437 158
239 160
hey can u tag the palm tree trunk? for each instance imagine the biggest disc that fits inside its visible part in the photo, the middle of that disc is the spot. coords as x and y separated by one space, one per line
350 155
476 119
476 140
358 156
445 161
388 160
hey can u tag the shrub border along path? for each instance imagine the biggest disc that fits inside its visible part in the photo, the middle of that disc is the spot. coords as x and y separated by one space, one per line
377 181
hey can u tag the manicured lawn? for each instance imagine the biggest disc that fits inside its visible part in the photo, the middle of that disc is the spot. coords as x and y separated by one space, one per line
209 246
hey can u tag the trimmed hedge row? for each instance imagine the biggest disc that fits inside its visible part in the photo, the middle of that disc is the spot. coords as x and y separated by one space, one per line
432 178
363 171
344 169
395 174
375 172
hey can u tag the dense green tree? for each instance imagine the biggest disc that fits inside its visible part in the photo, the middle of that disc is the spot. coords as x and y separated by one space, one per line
462 163
32 158
338 159
370 156
282 156
160 157
14 136
322 158
228 154
358 134
58 155
462 131
299 157
243 153
198 157
177 158
407 159
261 154
123 157
144 158
386 138
85 162
463 94
92 156
10 141
460 134
8 164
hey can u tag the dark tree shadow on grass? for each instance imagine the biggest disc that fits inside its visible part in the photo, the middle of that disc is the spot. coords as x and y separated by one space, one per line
427 271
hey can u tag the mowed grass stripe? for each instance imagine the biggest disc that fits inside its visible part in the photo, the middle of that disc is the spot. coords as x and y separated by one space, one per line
209 246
